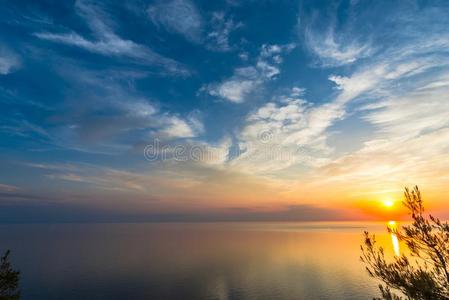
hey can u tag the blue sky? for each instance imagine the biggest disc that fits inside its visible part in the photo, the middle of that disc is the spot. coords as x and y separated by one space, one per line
211 110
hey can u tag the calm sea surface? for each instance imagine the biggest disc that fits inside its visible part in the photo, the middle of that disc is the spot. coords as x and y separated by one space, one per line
174 261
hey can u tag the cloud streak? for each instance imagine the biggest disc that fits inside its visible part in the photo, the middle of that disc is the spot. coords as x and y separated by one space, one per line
246 80
184 18
179 16
136 115
398 92
109 43
221 28
334 52
9 61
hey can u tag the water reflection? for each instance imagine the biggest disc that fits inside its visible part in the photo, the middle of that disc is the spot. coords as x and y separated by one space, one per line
231 261
394 238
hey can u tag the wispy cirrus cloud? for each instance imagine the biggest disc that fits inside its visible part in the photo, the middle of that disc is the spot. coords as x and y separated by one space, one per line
221 28
410 142
333 50
102 113
169 180
332 41
400 92
184 18
107 42
9 61
179 16
299 130
123 112
247 79
176 127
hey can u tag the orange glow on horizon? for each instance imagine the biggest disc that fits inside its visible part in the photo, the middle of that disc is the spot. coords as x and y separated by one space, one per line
381 207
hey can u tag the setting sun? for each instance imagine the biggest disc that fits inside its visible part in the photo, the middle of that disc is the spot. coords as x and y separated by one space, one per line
388 203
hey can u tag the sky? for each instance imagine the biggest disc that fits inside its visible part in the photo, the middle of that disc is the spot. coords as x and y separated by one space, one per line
227 110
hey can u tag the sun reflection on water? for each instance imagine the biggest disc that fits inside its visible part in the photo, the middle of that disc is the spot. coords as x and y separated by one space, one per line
394 239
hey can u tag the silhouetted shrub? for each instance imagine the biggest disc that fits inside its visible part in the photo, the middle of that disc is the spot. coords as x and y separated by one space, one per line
9 279
422 275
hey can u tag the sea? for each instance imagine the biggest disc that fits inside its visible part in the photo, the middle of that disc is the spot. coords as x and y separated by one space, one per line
193 261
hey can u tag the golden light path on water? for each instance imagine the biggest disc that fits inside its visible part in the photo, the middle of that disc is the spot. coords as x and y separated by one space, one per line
394 239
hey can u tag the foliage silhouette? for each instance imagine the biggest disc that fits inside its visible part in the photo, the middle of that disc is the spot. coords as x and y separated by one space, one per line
424 274
9 279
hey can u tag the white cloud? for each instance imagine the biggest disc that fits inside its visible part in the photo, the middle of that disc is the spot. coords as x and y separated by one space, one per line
243 56
279 135
297 91
127 118
381 75
334 43
222 27
113 45
274 51
179 128
138 108
234 90
247 79
331 52
180 16
183 17
267 70
297 129
420 111
361 81
209 154
9 61
389 161
107 42
410 103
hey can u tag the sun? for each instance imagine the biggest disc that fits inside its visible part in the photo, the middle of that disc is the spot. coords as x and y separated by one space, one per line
388 203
